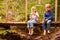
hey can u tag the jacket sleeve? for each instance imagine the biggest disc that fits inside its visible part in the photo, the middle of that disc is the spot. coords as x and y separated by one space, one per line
51 15
45 15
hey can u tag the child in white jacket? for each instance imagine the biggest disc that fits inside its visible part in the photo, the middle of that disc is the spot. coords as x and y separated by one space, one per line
33 19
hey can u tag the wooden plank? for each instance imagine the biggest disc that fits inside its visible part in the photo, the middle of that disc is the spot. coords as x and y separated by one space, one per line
20 23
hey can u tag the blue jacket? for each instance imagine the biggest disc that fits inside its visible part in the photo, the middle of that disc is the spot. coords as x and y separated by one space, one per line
48 15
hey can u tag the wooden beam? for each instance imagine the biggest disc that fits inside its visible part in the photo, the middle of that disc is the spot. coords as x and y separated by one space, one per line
53 24
56 4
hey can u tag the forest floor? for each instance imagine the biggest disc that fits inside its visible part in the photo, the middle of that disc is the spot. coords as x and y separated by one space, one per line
23 35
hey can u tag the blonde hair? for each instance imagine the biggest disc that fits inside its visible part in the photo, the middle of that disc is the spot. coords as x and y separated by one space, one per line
47 5
33 8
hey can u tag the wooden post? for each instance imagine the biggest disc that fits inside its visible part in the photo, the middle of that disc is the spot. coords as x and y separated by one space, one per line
6 10
39 1
26 8
13 8
56 4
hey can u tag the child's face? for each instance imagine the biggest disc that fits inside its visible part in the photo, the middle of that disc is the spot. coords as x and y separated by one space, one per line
33 10
48 8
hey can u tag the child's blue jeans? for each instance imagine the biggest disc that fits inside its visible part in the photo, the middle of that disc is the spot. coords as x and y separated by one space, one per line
46 25
30 23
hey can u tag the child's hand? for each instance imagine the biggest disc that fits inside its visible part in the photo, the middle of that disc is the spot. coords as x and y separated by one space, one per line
46 19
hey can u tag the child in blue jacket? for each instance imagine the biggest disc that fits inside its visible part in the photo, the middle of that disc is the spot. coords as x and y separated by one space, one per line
48 16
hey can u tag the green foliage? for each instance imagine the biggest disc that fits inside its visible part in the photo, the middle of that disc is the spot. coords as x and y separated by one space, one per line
2 13
10 4
1 0
40 9
29 7
4 32
17 7
20 17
